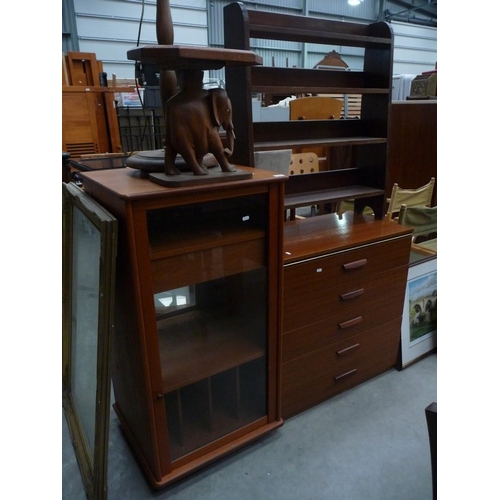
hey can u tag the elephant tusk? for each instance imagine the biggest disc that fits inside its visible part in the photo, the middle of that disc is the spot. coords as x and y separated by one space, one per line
229 151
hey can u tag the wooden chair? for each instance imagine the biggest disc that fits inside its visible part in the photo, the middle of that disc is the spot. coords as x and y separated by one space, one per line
423 220
303 163
315 108
346 205
419 197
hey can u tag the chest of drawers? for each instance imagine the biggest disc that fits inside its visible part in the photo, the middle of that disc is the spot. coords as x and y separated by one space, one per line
344 286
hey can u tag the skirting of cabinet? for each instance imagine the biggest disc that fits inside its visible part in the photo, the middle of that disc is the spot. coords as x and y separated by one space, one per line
315 377
187 465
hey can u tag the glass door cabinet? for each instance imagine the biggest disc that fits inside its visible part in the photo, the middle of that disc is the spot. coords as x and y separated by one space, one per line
198 293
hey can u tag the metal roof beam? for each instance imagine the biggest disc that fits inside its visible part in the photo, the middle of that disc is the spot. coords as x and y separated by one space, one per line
428 8
418 7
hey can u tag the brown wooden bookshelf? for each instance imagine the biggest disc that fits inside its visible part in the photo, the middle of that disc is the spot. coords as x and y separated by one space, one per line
365 139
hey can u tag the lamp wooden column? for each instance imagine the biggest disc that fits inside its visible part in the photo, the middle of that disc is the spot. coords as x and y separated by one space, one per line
170 59
165 36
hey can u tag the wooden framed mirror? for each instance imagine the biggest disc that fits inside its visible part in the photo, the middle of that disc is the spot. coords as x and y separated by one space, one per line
89 255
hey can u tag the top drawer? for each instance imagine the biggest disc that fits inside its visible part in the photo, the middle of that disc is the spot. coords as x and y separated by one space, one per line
323 272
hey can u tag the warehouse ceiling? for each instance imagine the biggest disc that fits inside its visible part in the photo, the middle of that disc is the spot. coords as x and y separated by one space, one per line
423 12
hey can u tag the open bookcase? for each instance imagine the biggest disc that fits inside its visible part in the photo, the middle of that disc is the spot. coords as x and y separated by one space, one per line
363 178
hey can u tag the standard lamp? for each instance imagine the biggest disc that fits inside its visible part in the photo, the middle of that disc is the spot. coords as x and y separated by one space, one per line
192 142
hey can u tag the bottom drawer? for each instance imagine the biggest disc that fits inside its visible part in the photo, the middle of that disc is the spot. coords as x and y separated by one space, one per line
312 378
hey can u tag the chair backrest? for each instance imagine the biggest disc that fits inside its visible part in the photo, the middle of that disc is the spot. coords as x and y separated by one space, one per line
419 197
303 163
423 220
315 108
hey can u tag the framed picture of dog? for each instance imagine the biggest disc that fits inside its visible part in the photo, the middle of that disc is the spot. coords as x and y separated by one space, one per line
419 324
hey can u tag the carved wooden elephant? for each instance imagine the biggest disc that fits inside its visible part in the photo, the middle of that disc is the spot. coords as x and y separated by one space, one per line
194 117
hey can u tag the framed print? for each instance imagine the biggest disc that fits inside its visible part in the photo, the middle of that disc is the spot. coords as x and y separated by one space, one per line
89 254
419 324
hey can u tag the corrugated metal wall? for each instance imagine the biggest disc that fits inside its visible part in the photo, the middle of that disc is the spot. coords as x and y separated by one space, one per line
109 28
415 48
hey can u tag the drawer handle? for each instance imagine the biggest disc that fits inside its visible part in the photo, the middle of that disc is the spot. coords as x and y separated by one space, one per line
351 322
355 265
353 294
346 374
347 350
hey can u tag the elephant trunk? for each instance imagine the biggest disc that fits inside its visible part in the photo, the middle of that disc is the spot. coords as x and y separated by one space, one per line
230 141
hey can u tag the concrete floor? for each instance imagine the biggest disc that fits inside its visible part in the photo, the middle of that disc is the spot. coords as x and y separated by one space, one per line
369 443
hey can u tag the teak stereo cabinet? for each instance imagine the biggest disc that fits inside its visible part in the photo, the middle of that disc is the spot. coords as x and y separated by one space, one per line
196 362
363 179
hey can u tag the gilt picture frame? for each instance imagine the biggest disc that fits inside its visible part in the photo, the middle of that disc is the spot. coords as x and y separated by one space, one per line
419 322
89 255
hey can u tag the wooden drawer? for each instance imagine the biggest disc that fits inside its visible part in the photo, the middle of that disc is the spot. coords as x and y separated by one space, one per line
359 298
323 272
312 378
338 326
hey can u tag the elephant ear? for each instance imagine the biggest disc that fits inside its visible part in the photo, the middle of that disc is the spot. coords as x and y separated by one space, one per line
213 95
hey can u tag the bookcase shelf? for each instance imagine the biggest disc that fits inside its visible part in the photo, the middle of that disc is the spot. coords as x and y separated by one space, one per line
365 138
197 345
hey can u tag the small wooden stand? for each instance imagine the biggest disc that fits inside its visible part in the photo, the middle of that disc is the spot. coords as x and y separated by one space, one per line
188 179
153 162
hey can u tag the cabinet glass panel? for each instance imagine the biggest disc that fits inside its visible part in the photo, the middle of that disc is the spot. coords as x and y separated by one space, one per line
210 295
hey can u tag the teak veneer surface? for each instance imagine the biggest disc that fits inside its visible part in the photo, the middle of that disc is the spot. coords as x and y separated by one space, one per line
175 241
378 258
151 257
318 236
312 308
127 184
323 373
